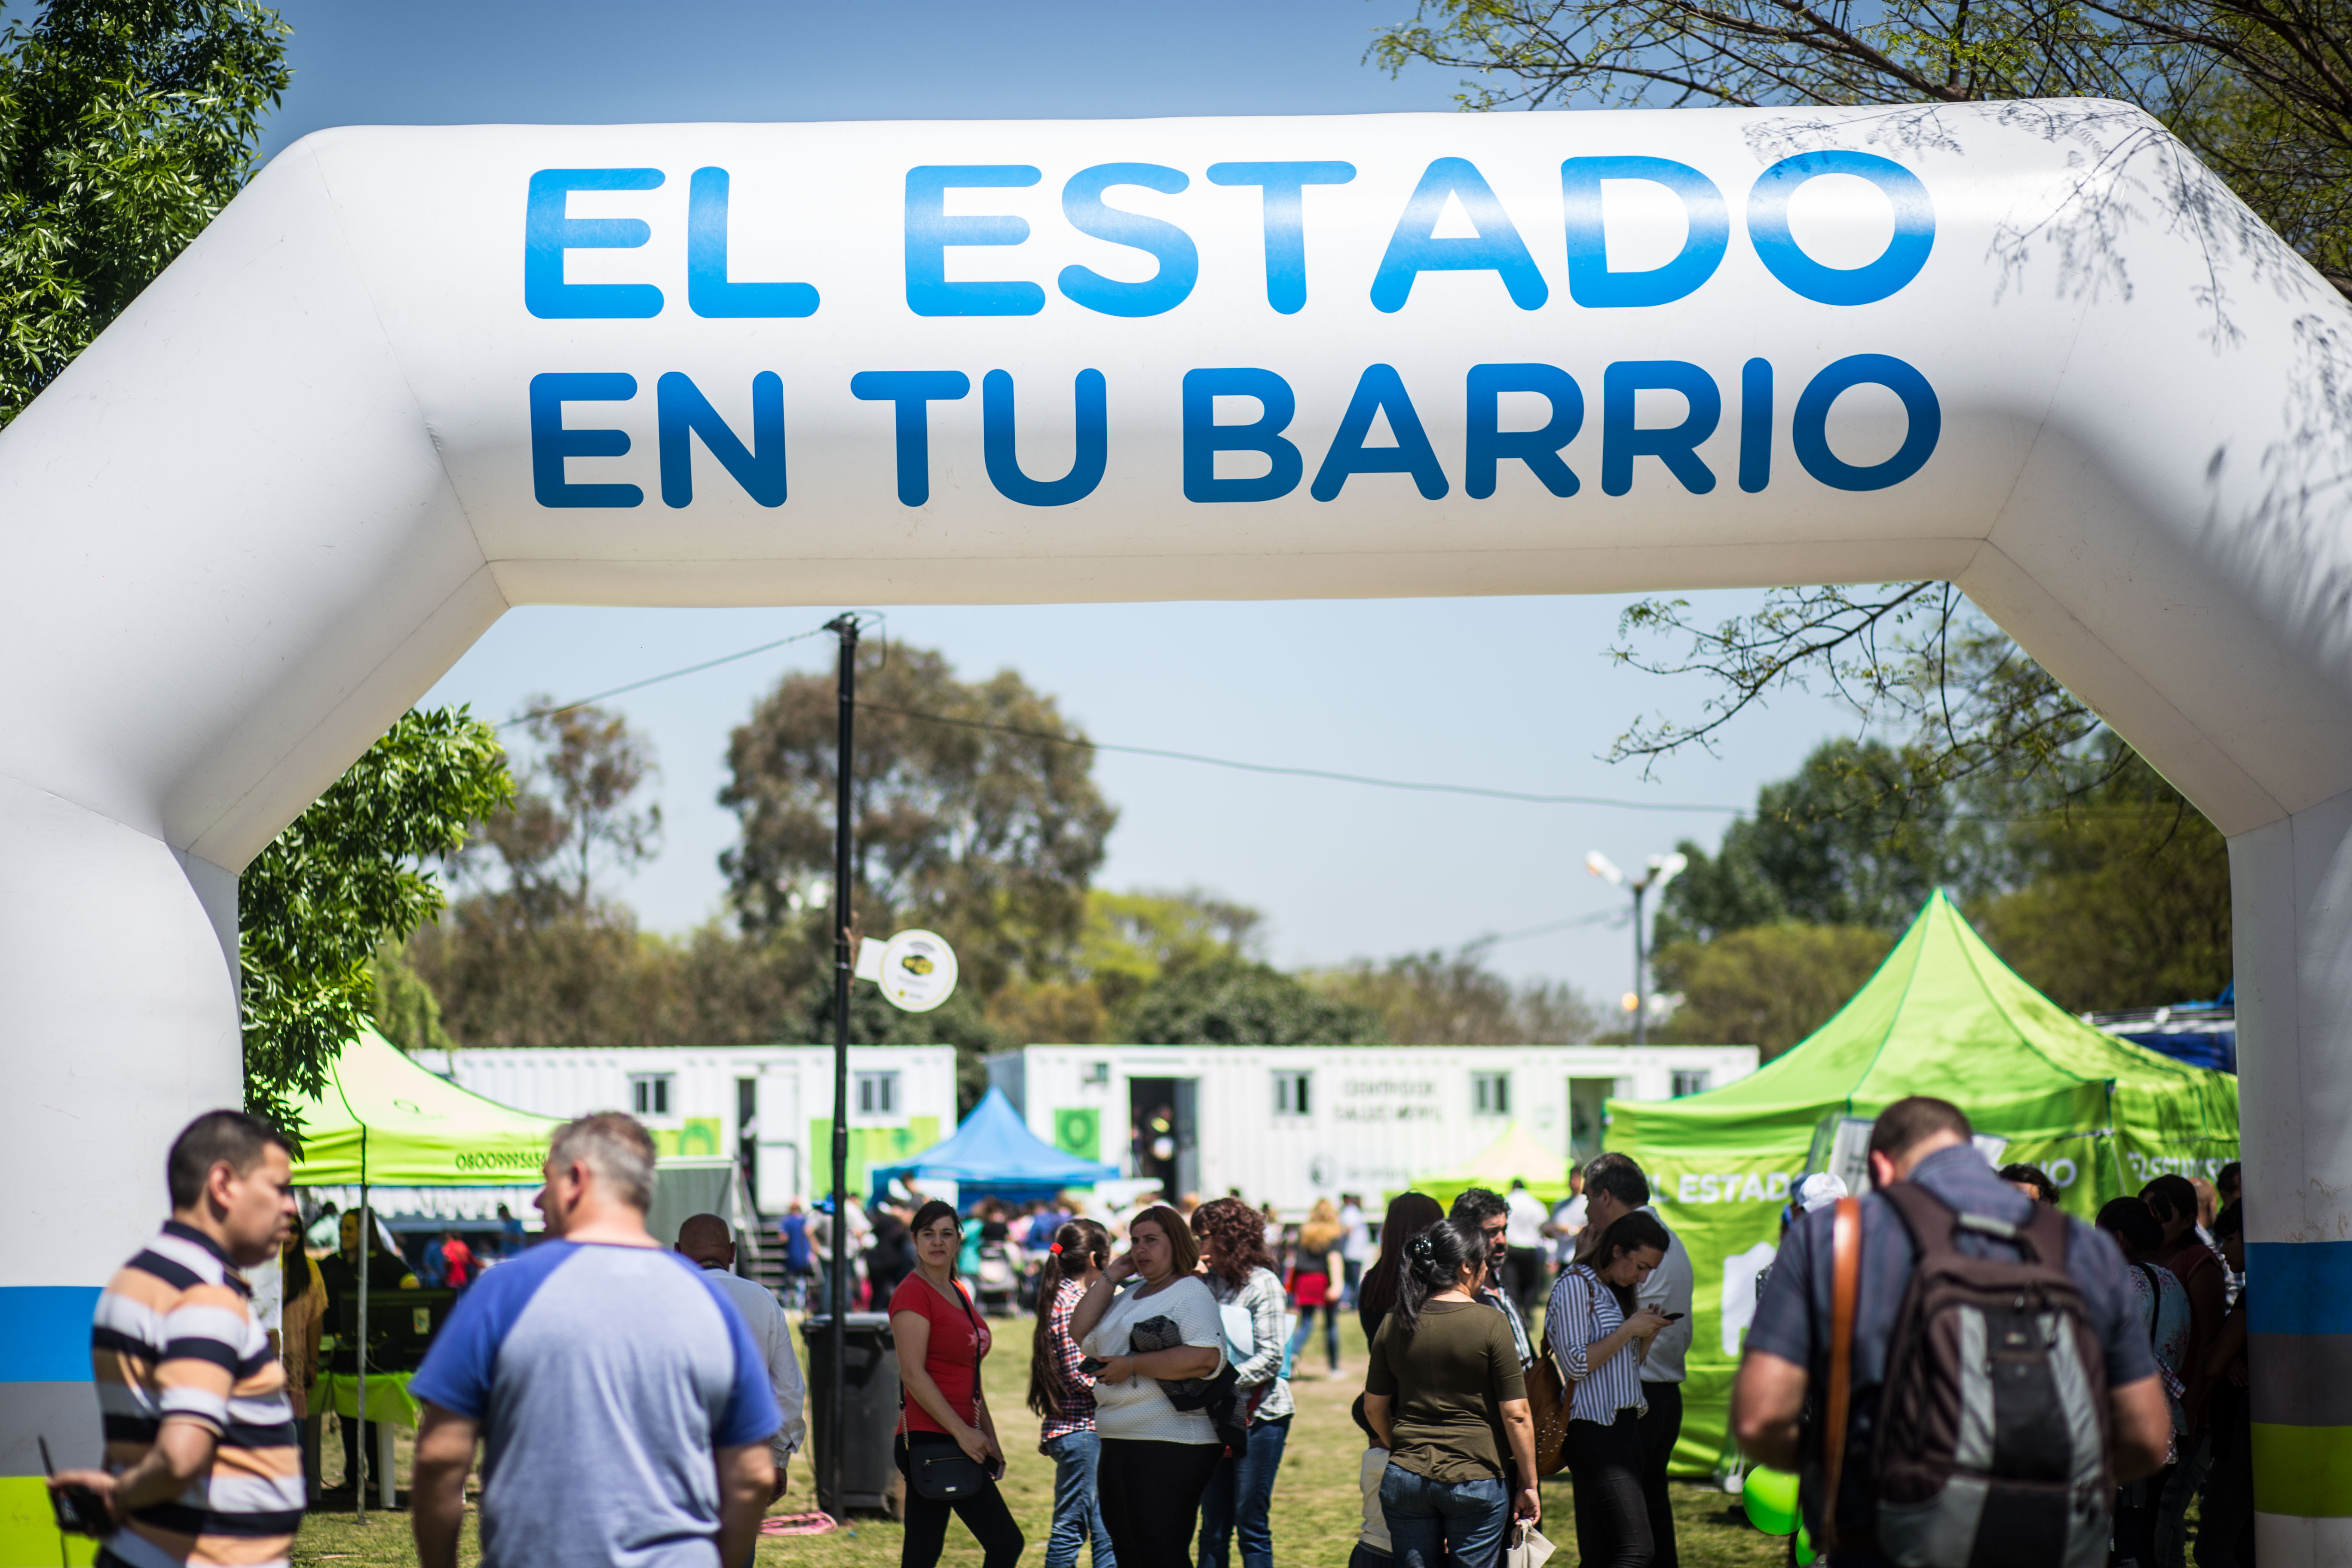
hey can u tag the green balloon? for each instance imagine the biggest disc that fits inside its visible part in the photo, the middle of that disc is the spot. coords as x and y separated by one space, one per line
1805 1552
1771 1497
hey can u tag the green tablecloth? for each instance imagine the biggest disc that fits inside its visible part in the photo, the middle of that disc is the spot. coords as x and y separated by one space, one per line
387 1396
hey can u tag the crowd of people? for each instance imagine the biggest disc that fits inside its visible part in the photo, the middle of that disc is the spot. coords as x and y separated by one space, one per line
1166 1338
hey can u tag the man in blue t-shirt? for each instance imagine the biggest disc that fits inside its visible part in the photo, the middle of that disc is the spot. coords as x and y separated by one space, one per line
623 1407
800 1257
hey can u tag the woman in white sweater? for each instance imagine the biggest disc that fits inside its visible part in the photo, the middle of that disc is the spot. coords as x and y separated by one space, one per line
1156 1459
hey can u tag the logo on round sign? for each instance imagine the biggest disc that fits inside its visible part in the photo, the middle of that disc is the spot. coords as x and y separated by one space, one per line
918 971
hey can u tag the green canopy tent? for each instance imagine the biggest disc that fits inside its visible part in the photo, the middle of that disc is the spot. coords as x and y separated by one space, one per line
386 1122
1516 1154
1943 1015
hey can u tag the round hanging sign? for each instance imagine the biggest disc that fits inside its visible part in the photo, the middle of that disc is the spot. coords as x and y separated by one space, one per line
918 971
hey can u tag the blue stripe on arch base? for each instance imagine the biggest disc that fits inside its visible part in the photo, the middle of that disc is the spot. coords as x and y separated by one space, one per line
2299 1287
44 1332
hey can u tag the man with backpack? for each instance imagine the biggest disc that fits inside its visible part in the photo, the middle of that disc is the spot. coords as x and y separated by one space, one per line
1957 1372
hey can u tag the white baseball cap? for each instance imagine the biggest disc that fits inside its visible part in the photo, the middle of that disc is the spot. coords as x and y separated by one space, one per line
1819 1190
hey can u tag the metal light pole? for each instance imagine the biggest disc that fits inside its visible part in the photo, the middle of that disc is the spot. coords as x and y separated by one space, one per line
1664 869
838 1278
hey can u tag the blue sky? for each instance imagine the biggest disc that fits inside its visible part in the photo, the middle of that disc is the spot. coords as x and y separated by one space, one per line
1510 693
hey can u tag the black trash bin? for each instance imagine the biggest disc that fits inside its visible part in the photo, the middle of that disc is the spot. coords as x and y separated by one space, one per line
870 1408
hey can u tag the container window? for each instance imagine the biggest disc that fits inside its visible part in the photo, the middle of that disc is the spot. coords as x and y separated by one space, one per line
877 1094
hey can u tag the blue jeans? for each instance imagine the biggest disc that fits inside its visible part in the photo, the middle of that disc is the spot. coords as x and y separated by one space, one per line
1304 1332
1431 1521
1077 1502
1239 1495
2182 1482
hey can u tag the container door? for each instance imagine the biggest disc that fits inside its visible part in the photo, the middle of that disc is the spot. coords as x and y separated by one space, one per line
1187 1136
777 1131
1587 1098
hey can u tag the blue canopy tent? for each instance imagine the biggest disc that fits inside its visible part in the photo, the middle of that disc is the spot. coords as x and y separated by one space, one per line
994 1155
2202 1033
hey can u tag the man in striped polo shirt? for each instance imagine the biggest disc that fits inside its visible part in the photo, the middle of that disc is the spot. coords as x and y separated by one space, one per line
203 1465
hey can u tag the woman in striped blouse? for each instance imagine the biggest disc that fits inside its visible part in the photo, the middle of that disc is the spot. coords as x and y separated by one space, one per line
1062 1393
1592 1324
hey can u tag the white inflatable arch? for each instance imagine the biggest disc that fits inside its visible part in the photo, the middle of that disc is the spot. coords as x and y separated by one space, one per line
412 377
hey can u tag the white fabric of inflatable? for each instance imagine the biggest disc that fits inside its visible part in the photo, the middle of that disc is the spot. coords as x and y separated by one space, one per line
413 376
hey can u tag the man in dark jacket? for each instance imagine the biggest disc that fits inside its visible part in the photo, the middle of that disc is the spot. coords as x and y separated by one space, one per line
1926 1141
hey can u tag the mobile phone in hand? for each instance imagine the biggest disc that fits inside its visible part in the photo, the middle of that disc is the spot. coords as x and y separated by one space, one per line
1672 1317
79 1509
1089 1365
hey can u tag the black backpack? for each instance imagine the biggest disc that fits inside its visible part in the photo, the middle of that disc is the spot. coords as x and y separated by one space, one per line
1992 1441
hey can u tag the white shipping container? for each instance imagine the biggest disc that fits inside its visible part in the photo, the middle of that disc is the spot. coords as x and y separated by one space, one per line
1292 1124
771 1105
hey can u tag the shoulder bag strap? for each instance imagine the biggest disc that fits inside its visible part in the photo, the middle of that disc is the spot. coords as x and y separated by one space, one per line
1845 1294
979 1394
1588 1327
965 1298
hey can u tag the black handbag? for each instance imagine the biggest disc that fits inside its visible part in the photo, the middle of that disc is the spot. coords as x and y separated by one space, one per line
1220 1396
943 1474
946 1475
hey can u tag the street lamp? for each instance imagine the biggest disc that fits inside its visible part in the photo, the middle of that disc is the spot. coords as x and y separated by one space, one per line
1664 869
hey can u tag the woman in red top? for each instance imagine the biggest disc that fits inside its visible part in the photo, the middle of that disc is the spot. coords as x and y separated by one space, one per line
1318 1278
941 1340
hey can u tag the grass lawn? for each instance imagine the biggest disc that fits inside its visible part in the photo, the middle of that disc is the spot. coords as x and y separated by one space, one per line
1317 1508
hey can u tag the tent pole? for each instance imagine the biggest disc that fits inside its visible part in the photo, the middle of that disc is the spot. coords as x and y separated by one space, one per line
844 962
367 1236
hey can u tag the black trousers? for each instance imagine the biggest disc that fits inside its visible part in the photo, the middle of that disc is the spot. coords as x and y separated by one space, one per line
1526 1273
1660 1429
2134 1536
2225 1529
1151 1498
983 1513
1613 1518
359 1449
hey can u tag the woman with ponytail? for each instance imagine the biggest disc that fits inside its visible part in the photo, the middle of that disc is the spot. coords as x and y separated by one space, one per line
1063 1394
1409 1214
1444 1375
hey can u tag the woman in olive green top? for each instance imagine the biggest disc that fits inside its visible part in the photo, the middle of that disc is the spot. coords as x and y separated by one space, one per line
1444 1374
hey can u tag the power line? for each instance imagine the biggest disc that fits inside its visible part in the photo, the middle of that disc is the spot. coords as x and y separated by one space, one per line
1412 786
1418 787
1048 736
1614 917
657 679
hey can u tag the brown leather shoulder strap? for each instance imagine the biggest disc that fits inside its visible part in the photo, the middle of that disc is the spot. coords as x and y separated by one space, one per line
1845 1294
